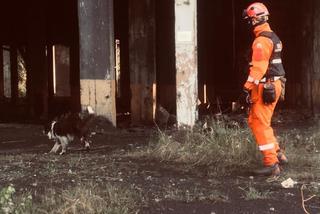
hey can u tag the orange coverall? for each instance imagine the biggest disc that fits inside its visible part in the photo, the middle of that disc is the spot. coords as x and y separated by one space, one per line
260 114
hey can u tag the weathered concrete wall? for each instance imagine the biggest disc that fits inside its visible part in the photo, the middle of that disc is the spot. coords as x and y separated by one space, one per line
165 45
142 60
97 94
315 75
186 61
97 75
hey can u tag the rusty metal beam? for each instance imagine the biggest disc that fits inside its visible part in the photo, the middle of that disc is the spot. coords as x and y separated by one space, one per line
142 60
186 61
97 74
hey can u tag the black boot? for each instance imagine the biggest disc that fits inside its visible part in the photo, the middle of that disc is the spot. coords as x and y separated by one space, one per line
283 160
273 170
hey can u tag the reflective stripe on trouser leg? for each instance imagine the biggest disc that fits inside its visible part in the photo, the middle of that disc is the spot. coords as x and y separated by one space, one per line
266 147
269 154
260 124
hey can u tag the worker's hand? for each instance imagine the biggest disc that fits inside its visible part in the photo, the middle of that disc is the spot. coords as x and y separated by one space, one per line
245 99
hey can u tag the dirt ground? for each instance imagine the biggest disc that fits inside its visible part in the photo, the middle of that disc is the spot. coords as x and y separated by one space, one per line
165 187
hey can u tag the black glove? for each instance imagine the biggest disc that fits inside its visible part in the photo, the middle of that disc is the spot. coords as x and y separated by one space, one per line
244 98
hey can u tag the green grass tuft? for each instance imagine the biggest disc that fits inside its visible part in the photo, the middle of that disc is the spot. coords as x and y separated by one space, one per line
84 199
224 146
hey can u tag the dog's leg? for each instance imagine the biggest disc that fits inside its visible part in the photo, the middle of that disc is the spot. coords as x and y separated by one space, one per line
55 147
64 143
86 143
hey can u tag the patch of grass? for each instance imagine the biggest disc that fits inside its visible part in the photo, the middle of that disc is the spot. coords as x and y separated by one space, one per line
251 193
303 152
9 203
80 199
222 146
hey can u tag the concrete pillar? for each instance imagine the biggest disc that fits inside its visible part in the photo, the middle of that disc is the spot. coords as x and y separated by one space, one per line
165 48
315 75
142 60
37 76
186 61
97 75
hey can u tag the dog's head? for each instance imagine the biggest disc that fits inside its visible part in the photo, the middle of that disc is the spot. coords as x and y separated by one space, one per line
49 129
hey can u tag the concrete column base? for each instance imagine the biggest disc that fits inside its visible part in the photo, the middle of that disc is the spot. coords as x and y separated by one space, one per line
100 95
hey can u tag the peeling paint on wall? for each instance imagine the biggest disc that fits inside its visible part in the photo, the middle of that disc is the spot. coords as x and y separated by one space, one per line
100 95
97 73
186 62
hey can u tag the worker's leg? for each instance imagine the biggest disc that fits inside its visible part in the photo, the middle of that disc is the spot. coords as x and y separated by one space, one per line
260 123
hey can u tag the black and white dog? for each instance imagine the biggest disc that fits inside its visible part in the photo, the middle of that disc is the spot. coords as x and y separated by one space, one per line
68 127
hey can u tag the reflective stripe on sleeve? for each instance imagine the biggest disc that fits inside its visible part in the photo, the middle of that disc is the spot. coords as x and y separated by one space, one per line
251 79
263 80
276 61
266 147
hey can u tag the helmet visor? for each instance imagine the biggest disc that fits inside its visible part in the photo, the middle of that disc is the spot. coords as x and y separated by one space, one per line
245 14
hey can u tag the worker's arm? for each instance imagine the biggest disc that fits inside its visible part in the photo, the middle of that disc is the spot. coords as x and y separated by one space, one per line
261 51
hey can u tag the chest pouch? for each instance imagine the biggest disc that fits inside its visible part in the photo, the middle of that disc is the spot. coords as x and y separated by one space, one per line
269 93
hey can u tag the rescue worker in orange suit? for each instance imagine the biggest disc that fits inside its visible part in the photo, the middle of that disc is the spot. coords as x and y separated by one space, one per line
265 66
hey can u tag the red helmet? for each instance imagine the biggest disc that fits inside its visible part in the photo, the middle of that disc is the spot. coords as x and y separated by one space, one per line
255 10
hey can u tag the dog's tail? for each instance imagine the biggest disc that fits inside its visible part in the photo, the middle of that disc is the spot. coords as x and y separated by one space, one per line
87 120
